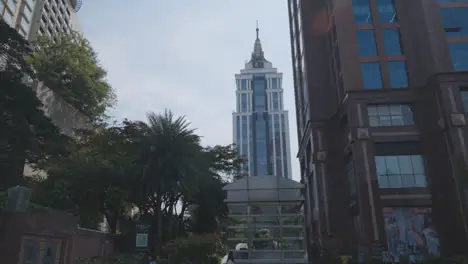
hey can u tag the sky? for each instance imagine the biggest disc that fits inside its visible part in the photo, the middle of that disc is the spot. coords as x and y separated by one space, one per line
182 55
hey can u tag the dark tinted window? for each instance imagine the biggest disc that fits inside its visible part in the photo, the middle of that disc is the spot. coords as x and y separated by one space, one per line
362 12
392 43
387 12
459 54
398 74
371 75
455 21
366 43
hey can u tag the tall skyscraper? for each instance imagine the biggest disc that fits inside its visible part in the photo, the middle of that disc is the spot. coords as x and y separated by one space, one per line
40 17
382 100
261 130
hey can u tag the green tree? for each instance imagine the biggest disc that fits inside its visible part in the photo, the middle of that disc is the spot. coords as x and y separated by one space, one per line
97 179
69 66
27 135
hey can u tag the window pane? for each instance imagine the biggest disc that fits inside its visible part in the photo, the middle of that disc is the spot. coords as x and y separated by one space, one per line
399 171
12 5
464 96
244 102
392 43
362 12
243 84
371 75
459 54
387 12
25 25
274 83
455 21
8 17
27 13
366 43
390 115
30 3
2 6
418 164
398 74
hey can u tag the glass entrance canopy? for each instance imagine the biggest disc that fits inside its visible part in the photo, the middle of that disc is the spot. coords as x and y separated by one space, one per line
266 220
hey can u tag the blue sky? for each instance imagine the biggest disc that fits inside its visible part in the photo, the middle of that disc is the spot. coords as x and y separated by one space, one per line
183 55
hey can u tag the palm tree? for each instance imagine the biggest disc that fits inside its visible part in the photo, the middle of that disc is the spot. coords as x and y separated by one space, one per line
172 152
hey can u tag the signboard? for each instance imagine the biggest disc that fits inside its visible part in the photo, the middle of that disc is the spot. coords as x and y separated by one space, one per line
141 237
141 240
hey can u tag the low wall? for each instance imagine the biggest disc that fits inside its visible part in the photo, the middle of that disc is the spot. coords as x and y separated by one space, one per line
34 230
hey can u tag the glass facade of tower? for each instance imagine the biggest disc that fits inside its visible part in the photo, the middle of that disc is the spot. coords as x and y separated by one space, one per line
261 124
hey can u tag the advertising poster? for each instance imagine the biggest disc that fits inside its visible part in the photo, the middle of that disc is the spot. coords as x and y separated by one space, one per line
410 231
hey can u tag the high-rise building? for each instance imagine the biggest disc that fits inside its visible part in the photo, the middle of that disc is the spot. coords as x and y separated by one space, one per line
40 17
261 130
381 91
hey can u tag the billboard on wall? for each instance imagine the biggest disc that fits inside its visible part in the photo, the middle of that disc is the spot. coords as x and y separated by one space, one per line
411 231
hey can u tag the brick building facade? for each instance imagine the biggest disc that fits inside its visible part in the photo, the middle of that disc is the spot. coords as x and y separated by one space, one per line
381 91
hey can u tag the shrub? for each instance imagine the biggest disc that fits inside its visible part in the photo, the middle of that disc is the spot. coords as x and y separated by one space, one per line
200 249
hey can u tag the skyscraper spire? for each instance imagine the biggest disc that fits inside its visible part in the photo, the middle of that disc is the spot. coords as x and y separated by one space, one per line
257 30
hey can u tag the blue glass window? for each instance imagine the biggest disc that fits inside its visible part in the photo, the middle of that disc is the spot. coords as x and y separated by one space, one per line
275 101
274 83
244 102
244 136
243 84
398 74
371 75
366 43
455 21
400 171
464 96
392 43
238 133
260 145
259 94
387 12
279 158
459 54
362 12
285 154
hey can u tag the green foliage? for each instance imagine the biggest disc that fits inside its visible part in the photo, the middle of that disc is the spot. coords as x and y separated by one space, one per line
100 169
69 66
119 259
27 135
200 249
154 167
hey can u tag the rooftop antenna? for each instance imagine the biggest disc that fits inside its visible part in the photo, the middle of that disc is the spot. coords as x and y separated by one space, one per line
257 29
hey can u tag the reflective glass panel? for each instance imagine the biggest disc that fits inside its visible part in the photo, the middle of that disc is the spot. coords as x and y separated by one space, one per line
362 12
400 171
371 75
459 54
366 43
455 21
387 12
392 43
390 115
398 74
